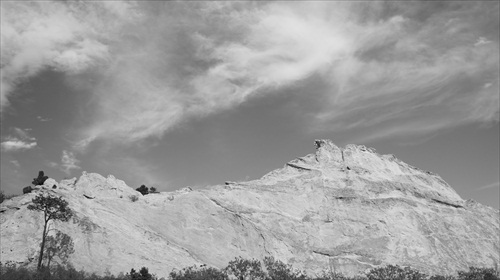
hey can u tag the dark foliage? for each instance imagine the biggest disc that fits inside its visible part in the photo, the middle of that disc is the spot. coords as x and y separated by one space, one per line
40 179
394 272
12 272
277 270
143 190
53 208
237 269
476 273
59 246
27 189
143 274
198 273
245 269
4 197
152 190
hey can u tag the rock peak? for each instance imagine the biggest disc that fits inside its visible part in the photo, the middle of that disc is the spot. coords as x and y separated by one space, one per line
327 152
347 209
324 142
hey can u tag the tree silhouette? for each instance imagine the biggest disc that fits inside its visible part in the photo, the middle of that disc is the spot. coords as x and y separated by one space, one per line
60 245
143 190
143 274
53 208
40 179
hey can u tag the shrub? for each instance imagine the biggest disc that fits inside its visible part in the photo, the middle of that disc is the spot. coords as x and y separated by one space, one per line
152 190
335 276
133 198
394 272
198 273
440 277
143 190
277 270
27 189
40 179
479 273
245 269
143 274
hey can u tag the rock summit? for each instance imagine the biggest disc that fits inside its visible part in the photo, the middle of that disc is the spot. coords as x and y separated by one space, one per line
342 209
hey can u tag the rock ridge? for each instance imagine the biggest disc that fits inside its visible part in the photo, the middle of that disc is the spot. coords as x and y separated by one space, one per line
343 209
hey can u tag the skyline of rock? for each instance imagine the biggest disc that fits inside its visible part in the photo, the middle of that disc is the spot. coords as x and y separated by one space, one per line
346 209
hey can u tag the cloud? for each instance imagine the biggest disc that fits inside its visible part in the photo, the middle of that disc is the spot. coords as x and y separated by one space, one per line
203 65
21 141
69 162
15 145
42 119
489 186
62 36
481 41
402 67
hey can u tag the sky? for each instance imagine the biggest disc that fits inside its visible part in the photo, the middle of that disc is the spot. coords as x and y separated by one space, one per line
196 93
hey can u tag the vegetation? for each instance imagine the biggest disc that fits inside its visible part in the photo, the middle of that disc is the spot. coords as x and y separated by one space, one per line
38 181
54 209
27 189
133 198
143 190
60 245
143 274
198 273
239 269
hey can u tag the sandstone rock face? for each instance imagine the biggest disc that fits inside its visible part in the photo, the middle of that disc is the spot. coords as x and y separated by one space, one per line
342 209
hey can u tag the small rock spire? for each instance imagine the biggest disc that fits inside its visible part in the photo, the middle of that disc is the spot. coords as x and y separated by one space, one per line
327 152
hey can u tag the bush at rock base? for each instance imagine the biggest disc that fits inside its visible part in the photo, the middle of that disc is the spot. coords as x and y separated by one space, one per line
239 269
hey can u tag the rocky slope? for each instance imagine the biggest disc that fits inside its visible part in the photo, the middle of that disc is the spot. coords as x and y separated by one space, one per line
347 209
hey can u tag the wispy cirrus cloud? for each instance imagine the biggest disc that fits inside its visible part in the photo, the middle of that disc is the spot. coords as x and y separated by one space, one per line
410 69
69 162
489 186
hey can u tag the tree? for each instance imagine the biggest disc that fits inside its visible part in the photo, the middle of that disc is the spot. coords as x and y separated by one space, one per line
143 274
280 271
53 208
40 179
143 190
152 190
61 245
27 189
245 269
394 272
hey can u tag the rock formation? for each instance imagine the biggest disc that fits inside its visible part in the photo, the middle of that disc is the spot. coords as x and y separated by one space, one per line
344 209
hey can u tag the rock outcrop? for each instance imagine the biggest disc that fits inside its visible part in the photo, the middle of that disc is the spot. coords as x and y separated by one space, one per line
344 209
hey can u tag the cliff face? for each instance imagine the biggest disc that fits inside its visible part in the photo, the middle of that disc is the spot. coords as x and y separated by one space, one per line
347 209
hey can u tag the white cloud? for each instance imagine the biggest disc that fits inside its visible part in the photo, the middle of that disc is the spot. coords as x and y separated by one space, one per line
15 145
42 119
15 163
481 41
185 60
22 141
63 36
69 162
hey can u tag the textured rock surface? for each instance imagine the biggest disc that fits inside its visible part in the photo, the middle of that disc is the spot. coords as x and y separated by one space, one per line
347 209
